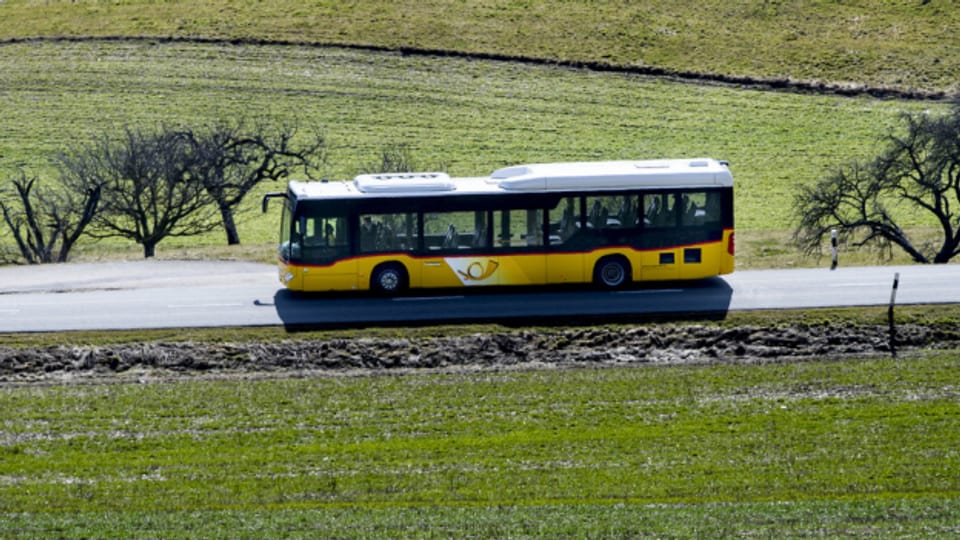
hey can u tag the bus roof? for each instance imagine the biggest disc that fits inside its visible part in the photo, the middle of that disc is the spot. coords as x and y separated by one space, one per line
531 178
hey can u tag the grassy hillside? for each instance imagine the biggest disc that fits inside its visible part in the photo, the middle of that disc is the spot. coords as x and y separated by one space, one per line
905 44
469 116
462 115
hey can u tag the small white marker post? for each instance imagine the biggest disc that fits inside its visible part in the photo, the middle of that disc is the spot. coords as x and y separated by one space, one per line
833 248
893 300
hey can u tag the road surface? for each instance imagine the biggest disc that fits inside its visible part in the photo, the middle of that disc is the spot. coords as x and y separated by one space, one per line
179 294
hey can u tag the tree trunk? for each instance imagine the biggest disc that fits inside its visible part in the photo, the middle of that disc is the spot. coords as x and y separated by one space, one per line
229 226
149 249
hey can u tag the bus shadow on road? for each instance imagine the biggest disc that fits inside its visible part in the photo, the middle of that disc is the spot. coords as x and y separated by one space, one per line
707 299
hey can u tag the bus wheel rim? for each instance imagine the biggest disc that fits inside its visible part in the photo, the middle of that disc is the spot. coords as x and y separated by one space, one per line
612 274
389 280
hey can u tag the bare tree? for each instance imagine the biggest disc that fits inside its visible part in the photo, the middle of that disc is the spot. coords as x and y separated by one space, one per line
393 159
919 169
229 161
46 223
147 190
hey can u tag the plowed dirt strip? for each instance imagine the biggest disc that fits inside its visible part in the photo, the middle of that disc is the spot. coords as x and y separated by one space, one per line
657 345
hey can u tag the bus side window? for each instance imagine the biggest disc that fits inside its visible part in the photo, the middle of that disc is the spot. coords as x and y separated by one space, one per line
564 220
455 230
598 213
659 210
627 211
368 234
388 232
692 209
712 208
479 239
700 208
534 234
612 212
518 228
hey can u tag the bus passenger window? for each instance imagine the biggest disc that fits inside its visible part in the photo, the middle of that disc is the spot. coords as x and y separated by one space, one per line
518 228
598 213
455 230
388 232
659 210
700 208
612 212
534 234
692 210
627 212
479 239
368 234
564 220
712 209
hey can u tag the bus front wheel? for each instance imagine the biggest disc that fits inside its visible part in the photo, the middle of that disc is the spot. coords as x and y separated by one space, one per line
389 279
612 272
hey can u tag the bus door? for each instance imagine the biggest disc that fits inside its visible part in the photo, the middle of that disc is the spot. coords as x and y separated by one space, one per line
660 261
458 251
518 239
701 232
325 263
565 261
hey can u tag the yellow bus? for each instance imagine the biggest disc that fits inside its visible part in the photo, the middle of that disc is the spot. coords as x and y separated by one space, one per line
610 223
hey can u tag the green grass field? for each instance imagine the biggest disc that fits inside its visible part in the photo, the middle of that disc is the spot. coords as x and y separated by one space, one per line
855 448
909 45
465 116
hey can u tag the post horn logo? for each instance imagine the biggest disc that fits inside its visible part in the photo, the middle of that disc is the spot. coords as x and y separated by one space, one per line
477 271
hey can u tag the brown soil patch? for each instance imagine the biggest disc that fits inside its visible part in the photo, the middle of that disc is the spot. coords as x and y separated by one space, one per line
640 345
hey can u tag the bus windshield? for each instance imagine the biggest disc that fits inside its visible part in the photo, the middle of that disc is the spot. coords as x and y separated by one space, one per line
313 238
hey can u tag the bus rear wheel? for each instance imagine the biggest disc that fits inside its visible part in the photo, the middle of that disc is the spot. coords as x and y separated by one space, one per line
611 272
389 279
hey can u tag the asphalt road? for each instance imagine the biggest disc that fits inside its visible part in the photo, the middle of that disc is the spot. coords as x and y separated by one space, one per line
171 294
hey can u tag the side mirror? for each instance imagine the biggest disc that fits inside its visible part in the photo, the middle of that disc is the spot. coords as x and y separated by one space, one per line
268 196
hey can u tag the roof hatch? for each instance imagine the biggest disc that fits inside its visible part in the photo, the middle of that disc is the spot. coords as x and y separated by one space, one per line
404 182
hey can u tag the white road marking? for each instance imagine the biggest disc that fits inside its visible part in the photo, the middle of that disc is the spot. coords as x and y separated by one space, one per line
874 284
422 298
189 306
651 291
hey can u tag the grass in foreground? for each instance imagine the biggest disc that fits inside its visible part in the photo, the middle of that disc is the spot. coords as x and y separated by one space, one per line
828 448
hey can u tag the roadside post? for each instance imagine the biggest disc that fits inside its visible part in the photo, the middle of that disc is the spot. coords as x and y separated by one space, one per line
833 248
893 299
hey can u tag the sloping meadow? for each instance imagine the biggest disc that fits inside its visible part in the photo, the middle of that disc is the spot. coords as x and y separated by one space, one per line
462 115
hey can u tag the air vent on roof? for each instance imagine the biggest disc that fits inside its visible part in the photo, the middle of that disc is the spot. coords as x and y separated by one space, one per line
403 182
508 172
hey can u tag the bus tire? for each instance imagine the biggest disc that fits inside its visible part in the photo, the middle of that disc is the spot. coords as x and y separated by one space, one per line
612 272
389 279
